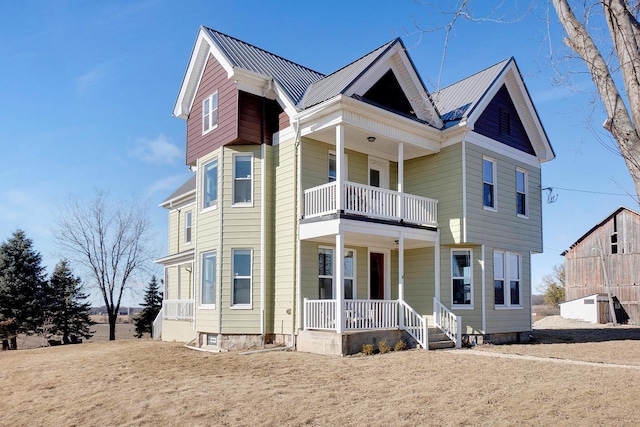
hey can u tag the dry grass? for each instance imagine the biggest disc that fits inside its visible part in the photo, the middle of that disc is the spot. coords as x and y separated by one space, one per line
140 382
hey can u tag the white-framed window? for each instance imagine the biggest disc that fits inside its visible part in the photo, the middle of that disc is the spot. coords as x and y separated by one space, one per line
241 286
332 166
489 183
522 200
188 227
210 113
461 278
507 279
208 288
326 273
242 179
210 187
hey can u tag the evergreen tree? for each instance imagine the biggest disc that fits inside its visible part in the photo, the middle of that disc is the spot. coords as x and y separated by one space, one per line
152 306
21 289
67 311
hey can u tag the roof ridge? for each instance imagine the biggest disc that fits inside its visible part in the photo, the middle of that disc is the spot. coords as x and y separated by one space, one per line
389 43
264 50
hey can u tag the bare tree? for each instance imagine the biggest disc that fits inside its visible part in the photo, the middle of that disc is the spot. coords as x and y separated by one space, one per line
110 240
612 57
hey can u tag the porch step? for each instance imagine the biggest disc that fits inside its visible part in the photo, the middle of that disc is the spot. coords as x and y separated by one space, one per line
438 340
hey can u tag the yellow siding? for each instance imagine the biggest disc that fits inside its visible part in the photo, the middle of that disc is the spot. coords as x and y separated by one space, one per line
177 331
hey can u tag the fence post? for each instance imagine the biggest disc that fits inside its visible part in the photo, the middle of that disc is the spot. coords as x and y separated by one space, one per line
458 331
425 331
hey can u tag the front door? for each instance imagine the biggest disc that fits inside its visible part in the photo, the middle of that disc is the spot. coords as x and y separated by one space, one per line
376 275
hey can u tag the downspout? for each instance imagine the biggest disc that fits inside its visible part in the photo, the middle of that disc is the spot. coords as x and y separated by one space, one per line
297 305
220 251
263 245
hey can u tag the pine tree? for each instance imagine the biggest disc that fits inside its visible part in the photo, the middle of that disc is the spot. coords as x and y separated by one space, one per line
21 289
67 311
152 306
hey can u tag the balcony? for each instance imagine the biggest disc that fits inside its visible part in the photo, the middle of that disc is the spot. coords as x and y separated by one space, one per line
371 202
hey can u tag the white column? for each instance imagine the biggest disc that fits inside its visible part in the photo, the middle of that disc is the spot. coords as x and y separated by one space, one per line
436 261
338 265
401 277
340 168
401 180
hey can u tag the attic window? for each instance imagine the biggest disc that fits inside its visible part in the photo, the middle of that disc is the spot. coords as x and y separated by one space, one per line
388 93
614 243
504 122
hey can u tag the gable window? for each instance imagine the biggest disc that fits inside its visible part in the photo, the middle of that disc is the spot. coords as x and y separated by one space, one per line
210 196
461 278
242 179
507 269
187 227
489 183
208 289
521 192
210 113
614 236
504 122
241 289
326 272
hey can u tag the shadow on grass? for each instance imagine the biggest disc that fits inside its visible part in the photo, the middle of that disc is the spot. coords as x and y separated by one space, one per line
584 335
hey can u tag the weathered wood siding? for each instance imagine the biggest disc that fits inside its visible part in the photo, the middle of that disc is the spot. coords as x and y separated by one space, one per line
488 124
583 263
214 78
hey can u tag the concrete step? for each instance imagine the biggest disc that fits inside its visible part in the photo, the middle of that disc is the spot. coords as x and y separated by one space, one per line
438 340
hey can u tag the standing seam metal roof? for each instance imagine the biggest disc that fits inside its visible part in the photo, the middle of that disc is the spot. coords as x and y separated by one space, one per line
294 78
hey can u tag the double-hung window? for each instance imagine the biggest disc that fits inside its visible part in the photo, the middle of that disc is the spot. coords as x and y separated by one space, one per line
242 179
187 227
210 113
461 278
489 183
326 273
333 165
507 277
521 192
208 289
210 196
241 289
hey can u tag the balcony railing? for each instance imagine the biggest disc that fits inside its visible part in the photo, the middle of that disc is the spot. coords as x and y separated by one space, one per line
178 309
372 202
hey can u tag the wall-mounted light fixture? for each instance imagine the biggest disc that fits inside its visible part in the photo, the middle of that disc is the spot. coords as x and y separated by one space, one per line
371 138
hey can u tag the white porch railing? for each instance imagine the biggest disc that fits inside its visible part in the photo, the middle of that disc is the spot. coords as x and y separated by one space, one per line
448 322
371 201
366 315
156 328
178 309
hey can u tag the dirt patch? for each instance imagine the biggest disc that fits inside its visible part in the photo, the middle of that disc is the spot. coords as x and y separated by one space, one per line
124 331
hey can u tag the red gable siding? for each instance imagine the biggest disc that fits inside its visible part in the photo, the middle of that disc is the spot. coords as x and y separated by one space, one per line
488 123
214 78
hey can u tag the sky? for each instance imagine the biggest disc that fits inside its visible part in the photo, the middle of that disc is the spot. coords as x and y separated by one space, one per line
87 90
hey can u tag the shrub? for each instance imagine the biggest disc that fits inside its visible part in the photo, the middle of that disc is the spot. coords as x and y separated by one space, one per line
400 346
367 349
384 347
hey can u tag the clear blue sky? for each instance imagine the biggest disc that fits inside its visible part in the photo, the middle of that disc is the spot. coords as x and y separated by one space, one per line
87 90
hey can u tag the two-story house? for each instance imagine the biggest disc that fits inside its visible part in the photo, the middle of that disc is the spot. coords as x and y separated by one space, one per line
327 206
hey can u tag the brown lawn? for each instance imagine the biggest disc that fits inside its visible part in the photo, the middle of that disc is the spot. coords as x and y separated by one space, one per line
141 382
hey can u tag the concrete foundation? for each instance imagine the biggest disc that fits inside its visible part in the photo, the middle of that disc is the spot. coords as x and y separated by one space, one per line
331 343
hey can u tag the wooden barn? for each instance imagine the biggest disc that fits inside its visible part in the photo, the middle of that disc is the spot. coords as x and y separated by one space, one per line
607 259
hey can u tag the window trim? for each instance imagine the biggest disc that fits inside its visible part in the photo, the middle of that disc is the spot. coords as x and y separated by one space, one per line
346 166
462 306
333 273
204 255
210 113
214 204
506 287
494 174
188 227
525 193
234 180
244 306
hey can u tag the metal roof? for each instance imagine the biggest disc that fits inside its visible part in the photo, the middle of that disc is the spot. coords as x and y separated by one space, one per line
459 99
294 78
339 81
184 189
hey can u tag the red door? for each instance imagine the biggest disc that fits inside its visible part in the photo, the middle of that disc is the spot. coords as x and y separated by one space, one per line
376 275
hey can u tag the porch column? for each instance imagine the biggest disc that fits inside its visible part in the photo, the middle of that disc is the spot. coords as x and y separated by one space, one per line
339 168
400 180
401 277
338 263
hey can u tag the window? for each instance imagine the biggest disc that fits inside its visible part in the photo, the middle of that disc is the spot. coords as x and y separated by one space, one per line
614 236
326 272
212 339
504 122
242 179
332 166
461 277
507 266
210 198
210 113
488 179
187 227
208 293
241 290
521 192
